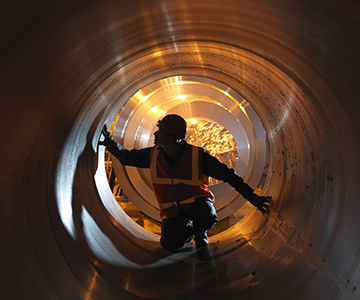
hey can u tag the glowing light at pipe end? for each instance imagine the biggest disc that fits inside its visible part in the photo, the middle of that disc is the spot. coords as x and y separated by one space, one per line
215 139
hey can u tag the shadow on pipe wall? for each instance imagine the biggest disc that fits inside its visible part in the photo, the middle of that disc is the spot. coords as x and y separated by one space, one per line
67 67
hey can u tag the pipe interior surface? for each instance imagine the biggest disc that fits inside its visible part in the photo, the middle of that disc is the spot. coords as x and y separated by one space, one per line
68 67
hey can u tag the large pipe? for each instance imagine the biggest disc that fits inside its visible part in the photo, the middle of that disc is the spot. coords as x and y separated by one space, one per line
69 66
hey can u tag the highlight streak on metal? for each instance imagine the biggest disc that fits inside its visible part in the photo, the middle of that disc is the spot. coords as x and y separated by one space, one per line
67 67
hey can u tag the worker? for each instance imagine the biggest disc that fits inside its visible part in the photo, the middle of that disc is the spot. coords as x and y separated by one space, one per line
180 175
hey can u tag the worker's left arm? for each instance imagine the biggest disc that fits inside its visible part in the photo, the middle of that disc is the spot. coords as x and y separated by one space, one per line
211 166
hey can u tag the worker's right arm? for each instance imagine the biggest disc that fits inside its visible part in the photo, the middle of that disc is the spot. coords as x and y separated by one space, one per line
135 158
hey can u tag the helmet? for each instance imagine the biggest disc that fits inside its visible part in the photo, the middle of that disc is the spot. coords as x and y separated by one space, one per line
175 125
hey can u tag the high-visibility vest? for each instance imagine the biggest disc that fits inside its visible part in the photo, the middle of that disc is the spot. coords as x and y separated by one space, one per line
179 186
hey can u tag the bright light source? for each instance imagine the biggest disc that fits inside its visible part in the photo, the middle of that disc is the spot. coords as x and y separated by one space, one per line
144 98
154 109
181 96
157 111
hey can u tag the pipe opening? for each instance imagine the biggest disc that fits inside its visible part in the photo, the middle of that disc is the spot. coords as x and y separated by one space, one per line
65 64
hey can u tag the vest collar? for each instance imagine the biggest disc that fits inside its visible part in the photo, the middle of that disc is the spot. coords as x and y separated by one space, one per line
184 146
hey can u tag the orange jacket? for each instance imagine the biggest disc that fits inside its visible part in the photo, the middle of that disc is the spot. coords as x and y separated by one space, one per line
179 186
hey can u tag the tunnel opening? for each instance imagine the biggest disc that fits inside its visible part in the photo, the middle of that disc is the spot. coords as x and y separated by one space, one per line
287 58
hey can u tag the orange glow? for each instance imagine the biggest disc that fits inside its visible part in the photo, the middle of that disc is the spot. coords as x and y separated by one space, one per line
215 139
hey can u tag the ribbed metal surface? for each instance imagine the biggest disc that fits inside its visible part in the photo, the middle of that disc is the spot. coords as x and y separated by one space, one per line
68 66
193 97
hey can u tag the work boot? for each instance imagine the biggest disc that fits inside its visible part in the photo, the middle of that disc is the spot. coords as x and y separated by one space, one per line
189 232
202 241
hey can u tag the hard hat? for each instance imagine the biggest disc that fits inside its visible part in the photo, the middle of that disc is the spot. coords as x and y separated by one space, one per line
175 125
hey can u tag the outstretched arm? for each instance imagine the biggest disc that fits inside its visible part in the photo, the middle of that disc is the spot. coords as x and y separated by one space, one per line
211 166
135 158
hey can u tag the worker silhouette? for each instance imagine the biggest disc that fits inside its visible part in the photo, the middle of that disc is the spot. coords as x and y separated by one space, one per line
180 175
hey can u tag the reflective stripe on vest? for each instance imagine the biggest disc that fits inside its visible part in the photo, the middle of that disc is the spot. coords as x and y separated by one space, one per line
168 181
182 185
169 204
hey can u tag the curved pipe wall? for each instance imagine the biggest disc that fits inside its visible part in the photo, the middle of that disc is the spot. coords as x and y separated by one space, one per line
67 67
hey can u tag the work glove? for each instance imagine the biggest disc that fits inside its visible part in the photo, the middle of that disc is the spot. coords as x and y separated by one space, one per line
261 202
109 140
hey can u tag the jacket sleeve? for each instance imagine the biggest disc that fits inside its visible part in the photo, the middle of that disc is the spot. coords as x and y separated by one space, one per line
135 158
211 166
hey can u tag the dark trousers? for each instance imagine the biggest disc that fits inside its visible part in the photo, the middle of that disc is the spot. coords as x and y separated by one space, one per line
196 220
